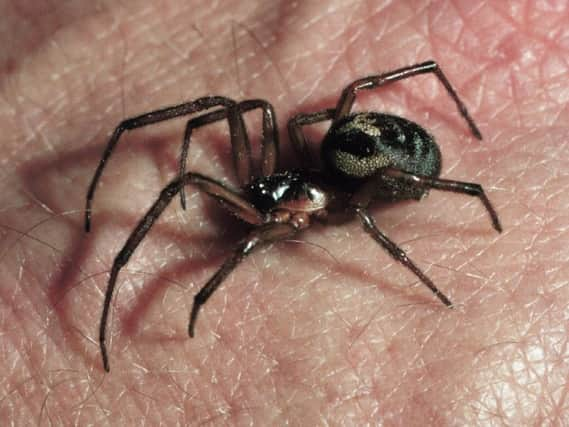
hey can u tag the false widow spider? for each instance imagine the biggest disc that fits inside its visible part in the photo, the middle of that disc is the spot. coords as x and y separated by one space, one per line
365 156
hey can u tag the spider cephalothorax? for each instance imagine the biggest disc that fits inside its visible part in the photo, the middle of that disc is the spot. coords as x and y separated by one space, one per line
366 156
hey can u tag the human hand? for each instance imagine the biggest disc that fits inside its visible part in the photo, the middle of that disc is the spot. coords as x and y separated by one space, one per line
297 334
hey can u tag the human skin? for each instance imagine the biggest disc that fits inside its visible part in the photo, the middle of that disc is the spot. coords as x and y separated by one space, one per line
333 331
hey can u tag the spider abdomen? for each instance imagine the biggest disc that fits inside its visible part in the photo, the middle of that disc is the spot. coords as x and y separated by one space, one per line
357 146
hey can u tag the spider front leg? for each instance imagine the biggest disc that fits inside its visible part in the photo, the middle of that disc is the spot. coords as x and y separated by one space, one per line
240 146
237 128
229 199
263 234
348 96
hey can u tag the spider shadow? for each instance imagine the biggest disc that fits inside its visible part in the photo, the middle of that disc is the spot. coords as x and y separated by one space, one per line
411 288
355 273
181 273
42 176
42 181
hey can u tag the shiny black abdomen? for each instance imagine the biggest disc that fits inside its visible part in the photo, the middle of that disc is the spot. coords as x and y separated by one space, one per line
359 145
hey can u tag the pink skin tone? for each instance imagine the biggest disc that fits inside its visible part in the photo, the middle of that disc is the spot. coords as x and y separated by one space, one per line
329 332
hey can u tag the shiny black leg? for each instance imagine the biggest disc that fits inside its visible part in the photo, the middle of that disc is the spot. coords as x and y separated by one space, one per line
297 136
230 200
397 253
469 188
240 147
149 119
263 234
348 96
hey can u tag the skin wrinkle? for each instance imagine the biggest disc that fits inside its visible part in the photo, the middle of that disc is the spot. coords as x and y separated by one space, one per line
229 396
279 255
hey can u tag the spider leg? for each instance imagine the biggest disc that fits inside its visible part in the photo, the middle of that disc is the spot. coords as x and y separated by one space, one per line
263 234
229 199
397 253
240 147
348 96
297 136
200 104
469 188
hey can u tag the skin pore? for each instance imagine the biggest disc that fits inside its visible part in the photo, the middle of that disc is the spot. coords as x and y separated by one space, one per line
330 331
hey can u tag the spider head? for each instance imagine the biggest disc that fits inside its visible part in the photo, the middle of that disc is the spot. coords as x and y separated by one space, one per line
293 191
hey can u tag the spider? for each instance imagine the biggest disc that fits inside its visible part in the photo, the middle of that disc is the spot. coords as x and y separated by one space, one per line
365 157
